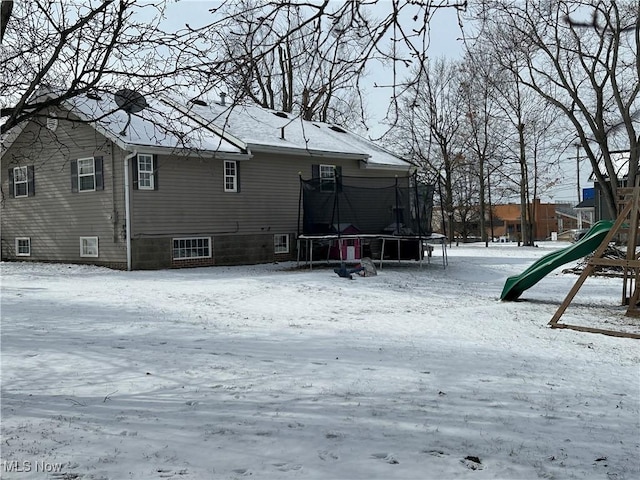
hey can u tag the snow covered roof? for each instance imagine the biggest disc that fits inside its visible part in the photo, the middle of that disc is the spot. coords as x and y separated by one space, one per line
261 129
158 125
188 127
9 136
620 162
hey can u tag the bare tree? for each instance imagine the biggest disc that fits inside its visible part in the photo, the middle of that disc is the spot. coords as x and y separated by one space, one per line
428 129
482 133
73 48
588 70
467 196
528 127
312 72
77 47
6 7
394 32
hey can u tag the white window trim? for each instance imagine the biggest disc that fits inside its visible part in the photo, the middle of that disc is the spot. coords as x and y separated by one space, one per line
327 183
234 176
151 176
276 238
190 238
80 189
18 240
16 182
90 255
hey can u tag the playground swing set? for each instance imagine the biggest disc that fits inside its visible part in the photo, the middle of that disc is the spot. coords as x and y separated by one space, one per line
596 240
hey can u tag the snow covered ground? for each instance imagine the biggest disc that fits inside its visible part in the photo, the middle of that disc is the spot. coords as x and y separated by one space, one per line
273 373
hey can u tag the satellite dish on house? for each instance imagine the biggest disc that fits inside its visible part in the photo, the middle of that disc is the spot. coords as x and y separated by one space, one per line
129 101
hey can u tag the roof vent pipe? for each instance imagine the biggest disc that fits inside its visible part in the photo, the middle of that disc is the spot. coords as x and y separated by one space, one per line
223 97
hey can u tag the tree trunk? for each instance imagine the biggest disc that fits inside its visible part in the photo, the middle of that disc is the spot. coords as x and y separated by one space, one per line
523 186
483 207
6 8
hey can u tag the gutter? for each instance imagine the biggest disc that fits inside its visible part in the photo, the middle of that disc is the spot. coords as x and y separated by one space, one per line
184 152
127 206
386 166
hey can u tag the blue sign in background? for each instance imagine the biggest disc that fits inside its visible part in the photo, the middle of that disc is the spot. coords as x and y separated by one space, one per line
588 193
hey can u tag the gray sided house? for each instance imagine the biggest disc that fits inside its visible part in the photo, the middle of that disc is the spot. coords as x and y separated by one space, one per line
173 185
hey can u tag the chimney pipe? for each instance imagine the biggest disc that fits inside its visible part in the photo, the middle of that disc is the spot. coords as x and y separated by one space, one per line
223 97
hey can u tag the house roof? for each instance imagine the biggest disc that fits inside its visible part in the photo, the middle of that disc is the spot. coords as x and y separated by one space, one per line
261 129
566 209
157 126
185 127
586 204
620 162
9 136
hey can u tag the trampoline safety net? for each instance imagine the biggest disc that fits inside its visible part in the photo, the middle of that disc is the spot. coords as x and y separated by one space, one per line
366 205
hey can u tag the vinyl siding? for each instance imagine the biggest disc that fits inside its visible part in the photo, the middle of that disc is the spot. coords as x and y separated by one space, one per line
191 199
55 218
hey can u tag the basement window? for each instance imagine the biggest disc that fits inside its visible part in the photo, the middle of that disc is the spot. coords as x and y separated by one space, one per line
88 246
23 247
281 243
196 247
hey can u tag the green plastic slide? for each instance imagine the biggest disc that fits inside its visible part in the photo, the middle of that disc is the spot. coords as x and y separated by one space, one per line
514 286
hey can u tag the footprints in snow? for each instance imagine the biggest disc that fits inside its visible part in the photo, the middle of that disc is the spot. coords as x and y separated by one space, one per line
286 467
435 453
327 455
167 473
470 461
386 457
242 471
66 476
281 466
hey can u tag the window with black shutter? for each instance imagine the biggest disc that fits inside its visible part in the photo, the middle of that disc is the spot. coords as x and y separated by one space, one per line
327 178
22 181
87 174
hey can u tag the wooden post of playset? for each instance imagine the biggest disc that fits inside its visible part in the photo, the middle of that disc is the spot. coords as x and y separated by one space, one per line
627 222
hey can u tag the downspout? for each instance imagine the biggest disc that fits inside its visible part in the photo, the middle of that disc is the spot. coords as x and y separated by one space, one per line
127 206
114 207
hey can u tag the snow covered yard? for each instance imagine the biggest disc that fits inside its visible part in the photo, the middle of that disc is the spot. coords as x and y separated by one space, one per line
272 373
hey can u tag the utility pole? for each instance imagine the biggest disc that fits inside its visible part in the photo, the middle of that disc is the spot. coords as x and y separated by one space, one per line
578 168
578 213
490 207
